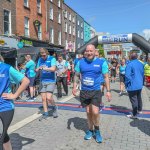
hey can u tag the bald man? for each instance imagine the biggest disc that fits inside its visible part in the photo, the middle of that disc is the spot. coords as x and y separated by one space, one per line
30 73
90 69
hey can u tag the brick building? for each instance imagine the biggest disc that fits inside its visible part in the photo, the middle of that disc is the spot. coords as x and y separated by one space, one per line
54 22
7 17
31 20
69 28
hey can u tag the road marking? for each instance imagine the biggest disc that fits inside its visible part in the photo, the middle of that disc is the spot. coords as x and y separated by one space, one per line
67 98
23 122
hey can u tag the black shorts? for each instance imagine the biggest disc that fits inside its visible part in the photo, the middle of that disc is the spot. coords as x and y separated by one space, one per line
6 118
32 81
113 73
90 97
122 78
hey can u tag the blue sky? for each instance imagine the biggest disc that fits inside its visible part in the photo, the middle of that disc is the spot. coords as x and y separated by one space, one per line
115 16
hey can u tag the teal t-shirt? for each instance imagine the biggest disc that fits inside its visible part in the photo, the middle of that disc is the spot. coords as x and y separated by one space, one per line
30 69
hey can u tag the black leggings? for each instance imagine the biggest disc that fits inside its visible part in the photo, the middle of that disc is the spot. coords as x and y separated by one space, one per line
6 118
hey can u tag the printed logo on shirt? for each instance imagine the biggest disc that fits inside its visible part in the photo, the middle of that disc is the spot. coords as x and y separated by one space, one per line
48 61
2 75
96 65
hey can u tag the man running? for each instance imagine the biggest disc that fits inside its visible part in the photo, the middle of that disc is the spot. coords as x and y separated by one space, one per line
47 66
91 69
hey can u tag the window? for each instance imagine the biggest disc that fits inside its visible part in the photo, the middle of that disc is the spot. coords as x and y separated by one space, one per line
69 16
40 32
73 19
78 34
51 13
66 27
73 30
66 44
26 3
59 38
39 6
58 3
51 35
81 24
82 35
26 26
59 18
78 45
7 22
78 23
69 29
65 12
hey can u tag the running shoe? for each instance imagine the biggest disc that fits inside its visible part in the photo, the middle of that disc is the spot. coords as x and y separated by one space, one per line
98 136
120 94
89 134
140 112
43 117
132 117
30 100
55 111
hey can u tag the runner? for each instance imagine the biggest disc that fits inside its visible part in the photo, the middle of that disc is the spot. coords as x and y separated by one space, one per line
113 69
47 65
91 69
122 68
7 75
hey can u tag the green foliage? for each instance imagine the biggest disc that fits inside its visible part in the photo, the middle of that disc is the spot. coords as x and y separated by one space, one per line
101 50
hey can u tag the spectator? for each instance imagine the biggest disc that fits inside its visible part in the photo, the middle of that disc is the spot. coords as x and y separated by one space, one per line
134 82
147 72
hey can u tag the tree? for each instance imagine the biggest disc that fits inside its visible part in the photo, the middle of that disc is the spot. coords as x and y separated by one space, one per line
101 50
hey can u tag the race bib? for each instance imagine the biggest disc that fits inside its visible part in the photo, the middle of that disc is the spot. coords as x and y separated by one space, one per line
88 81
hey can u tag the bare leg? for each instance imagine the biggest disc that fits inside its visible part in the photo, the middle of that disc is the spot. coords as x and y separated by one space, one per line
89 116
43 95
7 146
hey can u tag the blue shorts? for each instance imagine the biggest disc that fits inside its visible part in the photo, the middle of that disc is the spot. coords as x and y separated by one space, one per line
32 81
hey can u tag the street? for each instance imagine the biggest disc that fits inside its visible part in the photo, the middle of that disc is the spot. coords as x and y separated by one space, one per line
67 131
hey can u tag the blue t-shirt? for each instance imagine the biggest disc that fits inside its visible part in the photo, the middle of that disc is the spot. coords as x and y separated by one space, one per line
91 72
30 69
8 75
122 69
47 76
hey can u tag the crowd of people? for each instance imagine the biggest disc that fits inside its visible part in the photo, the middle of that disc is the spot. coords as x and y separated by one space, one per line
90 73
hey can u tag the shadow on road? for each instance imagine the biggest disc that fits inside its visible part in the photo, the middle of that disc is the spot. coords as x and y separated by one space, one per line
142 124
79 123
121 109
18 141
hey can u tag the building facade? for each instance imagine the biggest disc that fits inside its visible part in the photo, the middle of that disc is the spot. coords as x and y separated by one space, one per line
87 32
54 22
7 19
31 21
79 31
68 28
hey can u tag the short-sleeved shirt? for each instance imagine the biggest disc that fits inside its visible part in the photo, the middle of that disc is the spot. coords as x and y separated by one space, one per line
61 67
91 72
47 76
13 77
30 69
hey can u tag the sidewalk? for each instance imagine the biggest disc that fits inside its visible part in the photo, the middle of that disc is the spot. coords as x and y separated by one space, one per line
67 131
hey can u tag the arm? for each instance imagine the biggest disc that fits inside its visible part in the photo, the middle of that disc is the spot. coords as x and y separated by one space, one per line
76 81
16 77
106 76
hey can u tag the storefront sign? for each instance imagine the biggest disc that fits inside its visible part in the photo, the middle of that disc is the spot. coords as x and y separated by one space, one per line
2 42
27 43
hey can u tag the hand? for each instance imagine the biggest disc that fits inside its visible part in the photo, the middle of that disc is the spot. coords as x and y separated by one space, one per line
108 96
45 68
74 91
9 96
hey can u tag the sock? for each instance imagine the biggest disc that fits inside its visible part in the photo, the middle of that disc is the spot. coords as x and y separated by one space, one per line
96 127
